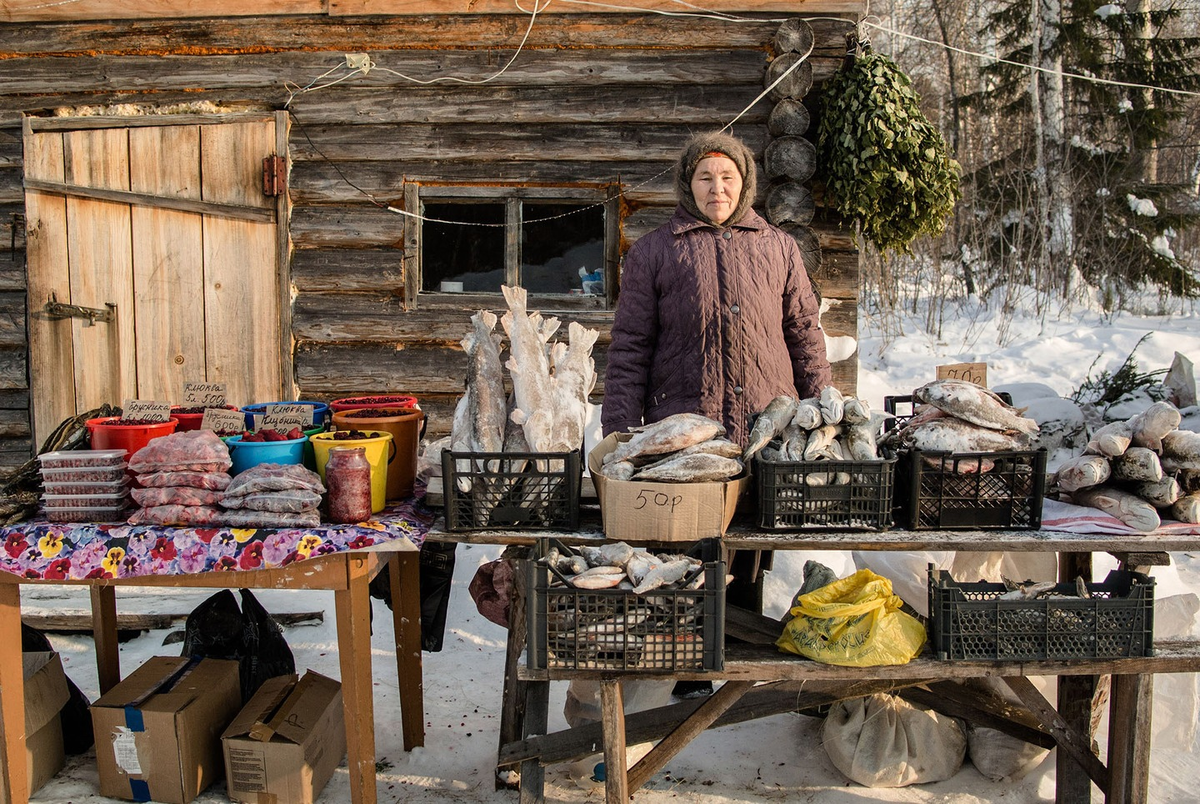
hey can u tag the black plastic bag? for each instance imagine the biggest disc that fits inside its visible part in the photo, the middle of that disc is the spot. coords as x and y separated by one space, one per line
76 716
436 573
266 653
218 629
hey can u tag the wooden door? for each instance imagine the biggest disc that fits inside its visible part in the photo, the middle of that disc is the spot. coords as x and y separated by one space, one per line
164 223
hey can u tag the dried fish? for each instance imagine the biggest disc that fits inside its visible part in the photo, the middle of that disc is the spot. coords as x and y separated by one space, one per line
951 434
1159 493
663 575
1082 472
856 411
1111 440
975 404
832 405
1181 451
529 367
1187 509
1153 423
769 424
694 468
1137 463
808 414
819 440
1127 507
669 435
618 470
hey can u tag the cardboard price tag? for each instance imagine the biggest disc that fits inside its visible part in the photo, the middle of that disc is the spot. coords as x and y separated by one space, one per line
220 420
203 393
304 410
146 410
971 372
283 422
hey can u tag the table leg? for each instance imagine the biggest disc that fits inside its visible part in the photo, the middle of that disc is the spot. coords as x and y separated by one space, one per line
537 716
354 653
512 711
1129 739
1075 695
405 578
12 695
612 715
104 631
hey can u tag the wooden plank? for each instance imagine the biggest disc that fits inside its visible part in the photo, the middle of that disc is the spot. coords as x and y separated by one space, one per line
51 349
347 270
12 318
241 275
168 262
77 622
346 7
104 636
34 10
670 746
12 698
1073 771
537 712
79 123
983 707
283 248
352 608
612 716
404 576
13 371
148 200
100 255
512 711
379 34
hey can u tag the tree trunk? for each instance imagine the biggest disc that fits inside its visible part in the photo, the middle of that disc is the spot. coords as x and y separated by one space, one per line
1059 220
1143 149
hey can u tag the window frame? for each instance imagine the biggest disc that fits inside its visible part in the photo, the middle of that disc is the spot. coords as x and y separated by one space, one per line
512 196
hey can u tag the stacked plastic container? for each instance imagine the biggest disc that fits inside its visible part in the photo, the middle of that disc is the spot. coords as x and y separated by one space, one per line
85 485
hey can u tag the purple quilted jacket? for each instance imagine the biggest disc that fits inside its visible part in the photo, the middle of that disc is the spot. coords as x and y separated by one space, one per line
717 321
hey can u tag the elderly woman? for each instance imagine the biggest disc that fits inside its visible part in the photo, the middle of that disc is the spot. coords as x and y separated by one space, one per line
716 316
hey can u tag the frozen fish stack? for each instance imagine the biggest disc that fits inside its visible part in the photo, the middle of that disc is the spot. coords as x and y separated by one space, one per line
829 427
1139 470
684 448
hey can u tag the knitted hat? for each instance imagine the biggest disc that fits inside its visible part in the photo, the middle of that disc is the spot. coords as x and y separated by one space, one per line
700 146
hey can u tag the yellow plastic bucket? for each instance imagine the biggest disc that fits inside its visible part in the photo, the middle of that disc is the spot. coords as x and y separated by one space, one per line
379 449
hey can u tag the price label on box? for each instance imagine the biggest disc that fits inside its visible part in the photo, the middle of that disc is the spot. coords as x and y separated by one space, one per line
971 372
206 394
220 420
146 410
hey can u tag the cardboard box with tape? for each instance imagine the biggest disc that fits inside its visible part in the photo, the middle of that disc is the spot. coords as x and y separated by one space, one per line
158 732
285 744
45 695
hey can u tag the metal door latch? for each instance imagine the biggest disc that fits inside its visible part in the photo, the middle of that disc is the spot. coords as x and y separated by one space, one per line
56 309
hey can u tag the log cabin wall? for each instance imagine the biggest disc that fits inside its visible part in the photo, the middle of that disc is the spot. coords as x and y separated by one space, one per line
593 100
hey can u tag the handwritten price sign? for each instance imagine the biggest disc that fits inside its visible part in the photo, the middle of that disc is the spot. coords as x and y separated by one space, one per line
971 372
297 409
220 420
146 410
203 393
656 499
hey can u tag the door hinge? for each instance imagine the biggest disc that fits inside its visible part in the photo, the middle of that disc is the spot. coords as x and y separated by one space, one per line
274 176
56 309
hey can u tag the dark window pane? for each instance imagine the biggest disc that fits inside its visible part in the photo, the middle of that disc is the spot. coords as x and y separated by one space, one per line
562 248
460 252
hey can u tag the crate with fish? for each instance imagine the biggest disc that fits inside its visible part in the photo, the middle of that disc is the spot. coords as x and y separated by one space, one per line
966 459
1046 620
505 490
816 464
618 607
678 479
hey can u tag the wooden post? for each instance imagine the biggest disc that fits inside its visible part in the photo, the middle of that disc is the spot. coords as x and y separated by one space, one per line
537 715
1129 739
1075 694
12 694
104 631
404 575
512 711
612 715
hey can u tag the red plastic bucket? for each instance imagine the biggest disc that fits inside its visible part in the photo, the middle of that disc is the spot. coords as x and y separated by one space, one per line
191 421
366 402
105 434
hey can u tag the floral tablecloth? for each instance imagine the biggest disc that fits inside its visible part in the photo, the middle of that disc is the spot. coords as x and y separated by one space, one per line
42 550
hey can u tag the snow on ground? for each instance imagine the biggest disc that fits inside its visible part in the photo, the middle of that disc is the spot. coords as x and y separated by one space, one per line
778 758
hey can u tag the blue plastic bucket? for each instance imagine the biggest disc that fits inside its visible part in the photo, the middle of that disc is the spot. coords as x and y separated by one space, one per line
320 412
251 453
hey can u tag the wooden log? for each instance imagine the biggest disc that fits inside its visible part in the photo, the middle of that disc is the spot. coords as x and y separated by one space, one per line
789 118
81 622
379 34
343 270
795 84
810 247
789 202
790 157
795 35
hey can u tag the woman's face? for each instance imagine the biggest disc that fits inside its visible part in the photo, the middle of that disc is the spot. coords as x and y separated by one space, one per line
717 186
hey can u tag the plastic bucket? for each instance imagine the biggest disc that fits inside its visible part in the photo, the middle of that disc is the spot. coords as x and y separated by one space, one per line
251 453
379 449
406 426
377 401
129 437
310 457
191 421
320 412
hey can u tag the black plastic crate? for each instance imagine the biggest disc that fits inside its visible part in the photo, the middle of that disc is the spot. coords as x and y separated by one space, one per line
969 621
949 490
854 495
661 631
499 490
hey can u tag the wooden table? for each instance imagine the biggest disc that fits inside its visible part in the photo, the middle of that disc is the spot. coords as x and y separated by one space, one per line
761 681
345 573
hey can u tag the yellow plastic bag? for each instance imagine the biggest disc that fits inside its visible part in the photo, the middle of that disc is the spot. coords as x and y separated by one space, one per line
854 622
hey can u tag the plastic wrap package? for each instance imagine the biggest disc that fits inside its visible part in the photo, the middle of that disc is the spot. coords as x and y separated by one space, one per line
996 566
293 501
185 515
175 495
214 481
274 477
189 451
248 518
884 741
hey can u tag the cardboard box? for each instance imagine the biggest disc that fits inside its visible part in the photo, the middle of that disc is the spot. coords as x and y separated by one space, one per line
286 743
158 732
638 511
45 695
